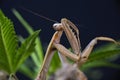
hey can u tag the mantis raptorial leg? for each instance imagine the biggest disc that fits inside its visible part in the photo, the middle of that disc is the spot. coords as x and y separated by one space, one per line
72 34
49 53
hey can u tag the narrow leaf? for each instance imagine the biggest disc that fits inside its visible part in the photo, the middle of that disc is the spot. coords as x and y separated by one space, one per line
103 55
38 48
26 71
55 63
25 50
37 56
101 63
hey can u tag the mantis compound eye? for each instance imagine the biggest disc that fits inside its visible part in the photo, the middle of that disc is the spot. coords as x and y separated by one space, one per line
57 26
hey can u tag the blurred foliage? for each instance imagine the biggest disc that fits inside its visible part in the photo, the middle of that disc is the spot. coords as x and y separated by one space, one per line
36 56
101 57
11 54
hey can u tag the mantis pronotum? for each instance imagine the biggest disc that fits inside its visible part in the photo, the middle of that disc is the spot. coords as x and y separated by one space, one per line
72 34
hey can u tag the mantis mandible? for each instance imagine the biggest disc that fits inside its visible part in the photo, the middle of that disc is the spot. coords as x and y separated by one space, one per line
80 57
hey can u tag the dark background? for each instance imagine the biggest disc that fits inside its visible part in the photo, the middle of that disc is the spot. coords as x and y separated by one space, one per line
92 17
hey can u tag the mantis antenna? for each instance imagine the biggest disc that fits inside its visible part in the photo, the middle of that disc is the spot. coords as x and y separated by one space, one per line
46 18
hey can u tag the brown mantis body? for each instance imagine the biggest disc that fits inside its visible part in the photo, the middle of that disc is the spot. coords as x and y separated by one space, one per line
72 34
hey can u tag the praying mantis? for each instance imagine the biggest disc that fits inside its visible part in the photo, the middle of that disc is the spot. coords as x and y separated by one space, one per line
79 57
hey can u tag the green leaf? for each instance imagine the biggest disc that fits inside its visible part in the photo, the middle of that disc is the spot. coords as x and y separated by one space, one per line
25 50
101 63
38 48
26 71
8 43
37 56
55 63
103 55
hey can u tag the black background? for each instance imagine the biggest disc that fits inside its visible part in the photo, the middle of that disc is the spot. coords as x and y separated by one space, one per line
92 17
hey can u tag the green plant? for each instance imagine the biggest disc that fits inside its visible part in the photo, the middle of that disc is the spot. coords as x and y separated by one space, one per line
36 56
103 56
12 55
